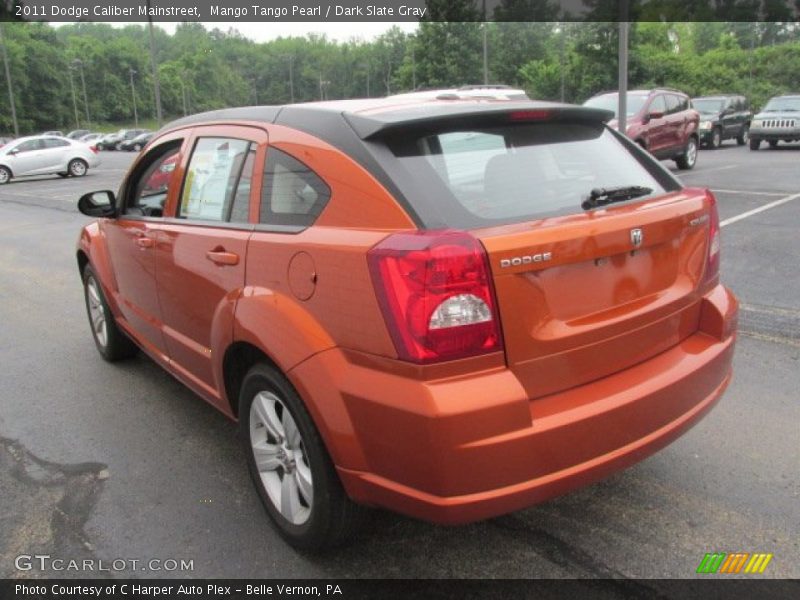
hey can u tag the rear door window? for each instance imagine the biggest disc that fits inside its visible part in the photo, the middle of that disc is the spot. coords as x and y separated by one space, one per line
213 178
518 172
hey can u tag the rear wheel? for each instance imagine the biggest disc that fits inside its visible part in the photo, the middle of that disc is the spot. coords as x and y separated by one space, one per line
754 144
137 147
77 167
289 465
5 175
112 344
744 135
688 159
773 143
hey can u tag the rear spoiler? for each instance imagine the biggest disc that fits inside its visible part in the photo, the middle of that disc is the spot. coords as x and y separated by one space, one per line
438 115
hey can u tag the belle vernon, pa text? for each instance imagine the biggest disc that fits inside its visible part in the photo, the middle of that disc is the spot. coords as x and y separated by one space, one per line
331 10
25 589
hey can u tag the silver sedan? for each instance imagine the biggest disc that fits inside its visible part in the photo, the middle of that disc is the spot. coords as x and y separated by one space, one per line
44 155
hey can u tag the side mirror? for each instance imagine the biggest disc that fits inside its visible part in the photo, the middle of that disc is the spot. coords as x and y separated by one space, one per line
655 114
98 204
13 152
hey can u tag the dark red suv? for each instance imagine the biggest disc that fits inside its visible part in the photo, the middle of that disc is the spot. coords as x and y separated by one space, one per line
661 121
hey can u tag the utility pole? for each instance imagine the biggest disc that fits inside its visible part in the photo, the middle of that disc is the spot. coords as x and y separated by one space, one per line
133 95
290 58
485 47
413 67
622 118
183 93
79 63
156 86
367 67
71 69
8 82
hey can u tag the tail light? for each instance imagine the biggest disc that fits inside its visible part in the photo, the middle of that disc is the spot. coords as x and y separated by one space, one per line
93 148
436 294
712 260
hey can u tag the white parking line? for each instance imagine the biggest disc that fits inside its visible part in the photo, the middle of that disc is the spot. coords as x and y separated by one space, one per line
755 211
750 192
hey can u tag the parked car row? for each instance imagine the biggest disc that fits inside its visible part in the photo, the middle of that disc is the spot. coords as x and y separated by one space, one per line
118 140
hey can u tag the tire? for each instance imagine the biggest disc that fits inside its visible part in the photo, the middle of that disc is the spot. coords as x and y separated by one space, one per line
118 146
112 344
5 175
293 464
773 143
744 135
754 144
137 148
77 167
688 158
716 138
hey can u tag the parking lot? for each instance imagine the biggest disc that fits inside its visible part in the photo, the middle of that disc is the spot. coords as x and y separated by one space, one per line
122 462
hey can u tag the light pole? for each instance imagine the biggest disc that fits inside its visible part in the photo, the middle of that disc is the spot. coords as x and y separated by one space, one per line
71 69
290 58
323 86
183 94
79 64
366 65
8 82
156 86
485 47
133 95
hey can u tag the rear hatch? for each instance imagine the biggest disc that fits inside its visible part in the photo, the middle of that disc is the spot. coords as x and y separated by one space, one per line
582 291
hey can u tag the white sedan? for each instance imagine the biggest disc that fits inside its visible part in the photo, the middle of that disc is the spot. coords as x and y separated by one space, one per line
43 155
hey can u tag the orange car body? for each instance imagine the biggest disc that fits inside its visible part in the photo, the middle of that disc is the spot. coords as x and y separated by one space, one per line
607 351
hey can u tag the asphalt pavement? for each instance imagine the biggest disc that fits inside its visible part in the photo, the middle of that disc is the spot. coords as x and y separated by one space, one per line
113 462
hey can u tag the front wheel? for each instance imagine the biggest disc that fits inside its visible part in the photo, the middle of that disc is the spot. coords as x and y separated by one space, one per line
743 136
754 144
688 159
773 143
5 175
112 344
290 466
77 167
137 147
716 139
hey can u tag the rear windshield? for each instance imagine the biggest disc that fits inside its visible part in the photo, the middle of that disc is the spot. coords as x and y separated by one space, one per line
515 173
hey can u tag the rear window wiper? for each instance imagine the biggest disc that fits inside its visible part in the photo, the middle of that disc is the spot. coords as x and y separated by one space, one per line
602 196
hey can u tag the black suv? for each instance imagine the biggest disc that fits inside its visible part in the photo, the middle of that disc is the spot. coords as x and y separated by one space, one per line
723 117
113 141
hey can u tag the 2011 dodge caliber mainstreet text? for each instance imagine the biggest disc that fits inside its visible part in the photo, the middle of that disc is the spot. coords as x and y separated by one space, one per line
451 307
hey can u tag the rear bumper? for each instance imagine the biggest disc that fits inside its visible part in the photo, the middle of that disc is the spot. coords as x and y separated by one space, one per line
460 450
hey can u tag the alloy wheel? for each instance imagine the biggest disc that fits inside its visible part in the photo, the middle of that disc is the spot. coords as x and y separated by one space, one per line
97 313
280 457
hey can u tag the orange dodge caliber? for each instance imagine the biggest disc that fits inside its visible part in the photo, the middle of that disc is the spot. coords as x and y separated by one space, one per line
450 308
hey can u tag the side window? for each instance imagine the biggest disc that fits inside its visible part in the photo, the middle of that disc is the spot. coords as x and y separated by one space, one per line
292 194
214 178
54 143
673 103
658 105
29 146
150 187
683 103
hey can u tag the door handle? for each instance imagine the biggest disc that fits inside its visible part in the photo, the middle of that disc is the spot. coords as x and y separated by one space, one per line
145 242
222 258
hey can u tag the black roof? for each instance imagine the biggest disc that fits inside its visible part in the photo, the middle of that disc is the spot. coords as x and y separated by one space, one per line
370 118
